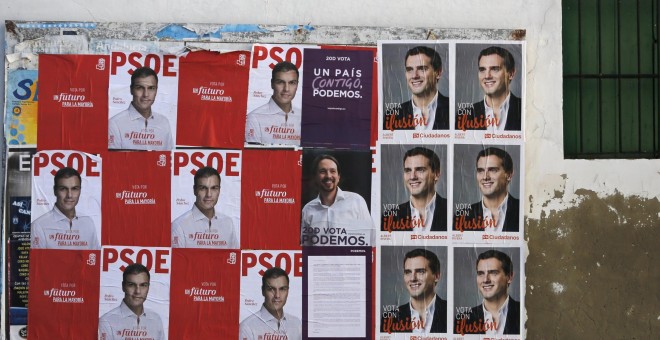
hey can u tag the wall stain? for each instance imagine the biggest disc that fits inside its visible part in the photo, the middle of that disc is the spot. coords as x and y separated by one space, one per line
593 270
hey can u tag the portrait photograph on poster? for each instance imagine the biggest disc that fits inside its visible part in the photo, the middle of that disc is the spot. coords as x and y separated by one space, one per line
135 292
66 201
142 101
415 85
274 101
206 199
413 282
487 184
271 295
487 290
414 187
489 86
336 194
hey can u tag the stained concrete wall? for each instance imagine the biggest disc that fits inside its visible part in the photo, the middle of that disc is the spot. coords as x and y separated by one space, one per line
592 226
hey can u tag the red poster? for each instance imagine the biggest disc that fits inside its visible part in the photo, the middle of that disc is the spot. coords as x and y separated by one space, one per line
136 196
212 99
73 102
271 186
63 294
204 294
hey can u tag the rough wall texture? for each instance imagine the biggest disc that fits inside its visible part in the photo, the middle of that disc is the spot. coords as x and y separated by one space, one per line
593 271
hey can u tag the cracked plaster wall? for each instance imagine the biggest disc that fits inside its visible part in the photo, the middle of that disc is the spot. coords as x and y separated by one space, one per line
592 226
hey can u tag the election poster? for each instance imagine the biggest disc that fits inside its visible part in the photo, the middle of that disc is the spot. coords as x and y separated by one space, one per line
206 199
17 218
485 277
275 95
475 99
485 174
276 197
337 98
73 102
204 283
22 99
142 109
212 99
416 88
347 221
337 299
266 190
134 279
66 201
413 276
136 196
64 290
411 174
271 285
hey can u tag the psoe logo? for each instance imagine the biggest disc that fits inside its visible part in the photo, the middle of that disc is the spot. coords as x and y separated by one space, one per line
101 64
91 261
241 60
232 258
162 160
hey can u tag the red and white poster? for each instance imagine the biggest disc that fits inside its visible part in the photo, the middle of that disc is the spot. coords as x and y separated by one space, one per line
136 198
276 197
282 272
204 293
72 107
66 200
212 99
64 290
126 287
216 193
143 117
274 107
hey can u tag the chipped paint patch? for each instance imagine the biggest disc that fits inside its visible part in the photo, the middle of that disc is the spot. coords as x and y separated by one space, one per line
630 310
176 32
557 288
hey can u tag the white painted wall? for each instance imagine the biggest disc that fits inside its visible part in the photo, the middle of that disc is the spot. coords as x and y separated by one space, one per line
551 181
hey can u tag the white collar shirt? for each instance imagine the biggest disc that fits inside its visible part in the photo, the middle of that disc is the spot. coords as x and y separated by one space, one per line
346 222
419 117
122 324
415 317
268 124
130 130
263 325
194 230
504 110
488 319
429 210
488 216
54 230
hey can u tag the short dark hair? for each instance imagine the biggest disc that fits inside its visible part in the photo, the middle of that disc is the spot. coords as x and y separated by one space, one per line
507 264
273 273
434 262
204 172
142 72
436 61
284 66
65 172
134 269
509 62
433 158
507 161
318 159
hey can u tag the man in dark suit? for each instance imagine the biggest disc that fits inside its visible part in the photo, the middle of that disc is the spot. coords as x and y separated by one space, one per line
499 313
428 109
426 312
426 210
498 210
500 109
